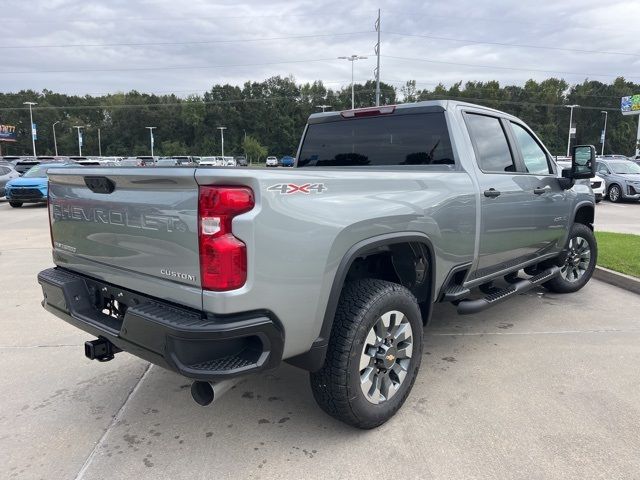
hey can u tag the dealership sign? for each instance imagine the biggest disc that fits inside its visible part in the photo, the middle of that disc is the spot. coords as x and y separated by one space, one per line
7 133
630 105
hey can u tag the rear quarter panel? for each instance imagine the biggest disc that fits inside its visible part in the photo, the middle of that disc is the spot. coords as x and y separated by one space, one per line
296 240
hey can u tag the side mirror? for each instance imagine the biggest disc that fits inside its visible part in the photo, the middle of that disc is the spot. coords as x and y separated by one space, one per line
583 162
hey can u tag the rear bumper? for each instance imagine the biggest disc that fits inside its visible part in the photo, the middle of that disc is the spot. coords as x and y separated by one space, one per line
195 344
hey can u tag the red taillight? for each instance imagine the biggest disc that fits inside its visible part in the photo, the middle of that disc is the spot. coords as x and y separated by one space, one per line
223 257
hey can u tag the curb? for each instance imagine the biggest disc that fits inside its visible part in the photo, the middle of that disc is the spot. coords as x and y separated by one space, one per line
620 280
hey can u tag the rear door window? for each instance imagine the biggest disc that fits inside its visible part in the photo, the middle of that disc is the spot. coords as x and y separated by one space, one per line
492 149
412 139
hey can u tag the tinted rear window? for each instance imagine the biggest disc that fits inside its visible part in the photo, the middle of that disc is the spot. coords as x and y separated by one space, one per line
493 152
420 139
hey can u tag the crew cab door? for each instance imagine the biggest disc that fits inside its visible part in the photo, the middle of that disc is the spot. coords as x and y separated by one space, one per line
548 209
504 223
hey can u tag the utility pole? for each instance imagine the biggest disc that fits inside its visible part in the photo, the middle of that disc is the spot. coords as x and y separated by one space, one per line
151 137
572 130
55 142
79 127
99 144
604 130
222 129
638 139
377 70
352 59
33 127
323 107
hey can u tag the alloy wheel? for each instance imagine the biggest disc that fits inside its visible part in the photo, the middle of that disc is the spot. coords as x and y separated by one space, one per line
578 259
614 194
386 357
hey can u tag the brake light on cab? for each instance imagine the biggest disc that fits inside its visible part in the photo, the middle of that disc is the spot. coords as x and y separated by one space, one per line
223 257
368 112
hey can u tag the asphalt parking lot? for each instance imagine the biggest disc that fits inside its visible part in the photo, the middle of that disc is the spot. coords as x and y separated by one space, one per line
544 386
618 217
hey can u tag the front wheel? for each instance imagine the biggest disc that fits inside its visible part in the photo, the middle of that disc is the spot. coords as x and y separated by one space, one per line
373 356
15 204
578 261
615 194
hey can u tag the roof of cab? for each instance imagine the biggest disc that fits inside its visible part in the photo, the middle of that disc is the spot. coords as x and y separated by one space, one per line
426 106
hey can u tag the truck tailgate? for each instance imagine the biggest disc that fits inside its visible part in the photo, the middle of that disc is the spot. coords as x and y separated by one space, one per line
135 227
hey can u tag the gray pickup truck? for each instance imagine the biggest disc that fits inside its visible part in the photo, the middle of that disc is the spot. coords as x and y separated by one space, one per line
333 266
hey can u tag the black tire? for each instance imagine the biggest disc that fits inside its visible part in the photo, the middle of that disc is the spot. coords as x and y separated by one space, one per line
15 204
561 284
337 385
614 193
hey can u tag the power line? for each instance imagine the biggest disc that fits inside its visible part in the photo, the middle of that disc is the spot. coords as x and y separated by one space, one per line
510 21
518 45
499 89
173 18
522 69
287 98
197 42
174 67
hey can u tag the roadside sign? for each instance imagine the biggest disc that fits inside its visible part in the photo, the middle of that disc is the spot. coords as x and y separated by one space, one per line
34 131
80 138
630 105
7 133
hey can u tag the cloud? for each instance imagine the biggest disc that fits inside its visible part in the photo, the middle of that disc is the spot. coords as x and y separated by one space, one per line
229 27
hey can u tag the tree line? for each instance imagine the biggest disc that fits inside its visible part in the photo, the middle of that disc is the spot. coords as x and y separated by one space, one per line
269 116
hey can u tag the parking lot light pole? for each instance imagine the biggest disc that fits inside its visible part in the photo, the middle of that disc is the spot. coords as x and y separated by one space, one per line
99 144
323 107
570 127
604 130
33 136
352 59
79 127
151 137
55 142
222 129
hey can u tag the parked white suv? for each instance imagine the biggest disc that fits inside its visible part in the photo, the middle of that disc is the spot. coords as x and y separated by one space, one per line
272 162
597 183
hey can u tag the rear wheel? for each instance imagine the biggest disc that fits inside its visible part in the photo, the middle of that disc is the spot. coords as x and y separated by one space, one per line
373 356
15 204
615 194
578 262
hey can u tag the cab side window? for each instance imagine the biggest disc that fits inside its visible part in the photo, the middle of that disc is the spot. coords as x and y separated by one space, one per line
534 157
490 141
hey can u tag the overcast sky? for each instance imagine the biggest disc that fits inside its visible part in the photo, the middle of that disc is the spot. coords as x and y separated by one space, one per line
186 46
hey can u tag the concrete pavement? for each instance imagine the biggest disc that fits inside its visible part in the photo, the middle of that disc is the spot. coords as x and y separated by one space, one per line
544 386
618 217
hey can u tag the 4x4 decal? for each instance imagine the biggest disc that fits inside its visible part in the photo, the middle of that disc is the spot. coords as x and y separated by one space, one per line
291 188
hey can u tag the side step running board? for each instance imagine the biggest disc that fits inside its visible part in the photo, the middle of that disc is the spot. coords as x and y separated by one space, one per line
455 293
466 307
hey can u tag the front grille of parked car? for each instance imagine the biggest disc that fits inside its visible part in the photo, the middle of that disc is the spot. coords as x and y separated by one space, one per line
17 192
596 184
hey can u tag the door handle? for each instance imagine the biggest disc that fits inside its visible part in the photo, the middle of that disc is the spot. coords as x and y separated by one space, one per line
491 193
539 190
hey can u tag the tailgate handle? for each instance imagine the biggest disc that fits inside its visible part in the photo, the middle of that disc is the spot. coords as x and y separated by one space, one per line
100 184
